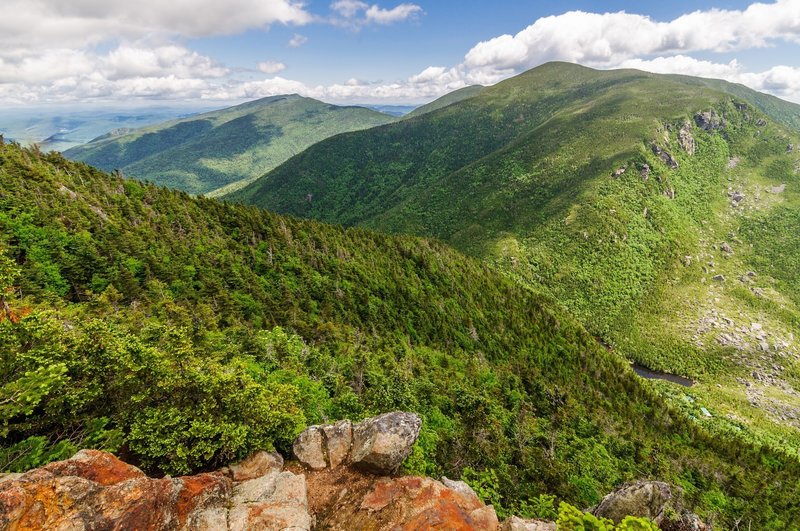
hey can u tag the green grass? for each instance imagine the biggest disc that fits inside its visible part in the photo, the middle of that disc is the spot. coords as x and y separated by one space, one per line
220 151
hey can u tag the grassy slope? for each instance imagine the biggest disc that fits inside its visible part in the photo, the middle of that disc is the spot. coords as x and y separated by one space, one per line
119 273
520 175
225 148
448 99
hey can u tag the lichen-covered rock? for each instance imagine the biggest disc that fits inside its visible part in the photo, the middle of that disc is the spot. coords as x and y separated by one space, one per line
338 439
324 446
461 487
709 120
516 523
643 498
276 502
309 448
412 503
686 522
381 444
257 465
95 490
686 140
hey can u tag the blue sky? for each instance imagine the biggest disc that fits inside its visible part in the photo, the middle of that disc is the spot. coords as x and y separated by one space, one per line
374 51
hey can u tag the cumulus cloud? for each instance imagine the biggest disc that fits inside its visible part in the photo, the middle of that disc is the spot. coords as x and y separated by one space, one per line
355 13
271 67
68 64
782 81
390 16
608 39
80 23
297 40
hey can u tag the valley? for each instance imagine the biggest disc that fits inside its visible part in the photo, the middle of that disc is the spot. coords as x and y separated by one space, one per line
649 206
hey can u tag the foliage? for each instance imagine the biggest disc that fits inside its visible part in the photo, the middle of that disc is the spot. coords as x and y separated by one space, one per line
572 519
225 148
190 331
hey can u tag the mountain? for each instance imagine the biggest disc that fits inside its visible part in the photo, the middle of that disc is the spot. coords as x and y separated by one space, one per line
185 333
661 211
447 99
225 148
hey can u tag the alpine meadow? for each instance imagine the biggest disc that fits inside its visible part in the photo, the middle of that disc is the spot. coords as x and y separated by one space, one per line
553 286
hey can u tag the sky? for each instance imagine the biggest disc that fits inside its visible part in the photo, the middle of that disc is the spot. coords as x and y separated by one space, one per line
92 52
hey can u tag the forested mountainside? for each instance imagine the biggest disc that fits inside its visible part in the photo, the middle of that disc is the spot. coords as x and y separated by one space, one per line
447 99
186 332
226 148
662 211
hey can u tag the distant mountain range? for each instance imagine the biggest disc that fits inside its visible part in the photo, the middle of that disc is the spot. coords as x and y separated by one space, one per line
222 150
60 128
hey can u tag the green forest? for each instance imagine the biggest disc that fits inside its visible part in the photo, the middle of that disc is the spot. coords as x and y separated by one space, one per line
184 332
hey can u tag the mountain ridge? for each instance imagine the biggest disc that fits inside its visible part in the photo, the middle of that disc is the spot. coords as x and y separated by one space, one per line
636 200
226 148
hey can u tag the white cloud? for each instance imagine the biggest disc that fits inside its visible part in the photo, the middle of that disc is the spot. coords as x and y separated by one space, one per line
609 38
355 13
297 40
348 8
49 52
782 81
271 67
56 23
390 16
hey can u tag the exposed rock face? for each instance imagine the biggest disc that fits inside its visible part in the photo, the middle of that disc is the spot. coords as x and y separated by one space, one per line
644 498
644 173
338 441
378 445
95 490
665 156
410 503
709 120
309 448
257 465
518 524
686 140
381 444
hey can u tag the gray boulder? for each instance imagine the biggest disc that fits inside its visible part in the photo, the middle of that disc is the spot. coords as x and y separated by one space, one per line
515 523
381 444
338 438
686 140
309 448
709 120
646 499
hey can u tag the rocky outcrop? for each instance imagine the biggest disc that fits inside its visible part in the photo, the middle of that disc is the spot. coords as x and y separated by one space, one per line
378 445
405 503
516 523
685 138
381 444
665 156
709 121
95 490
647 499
